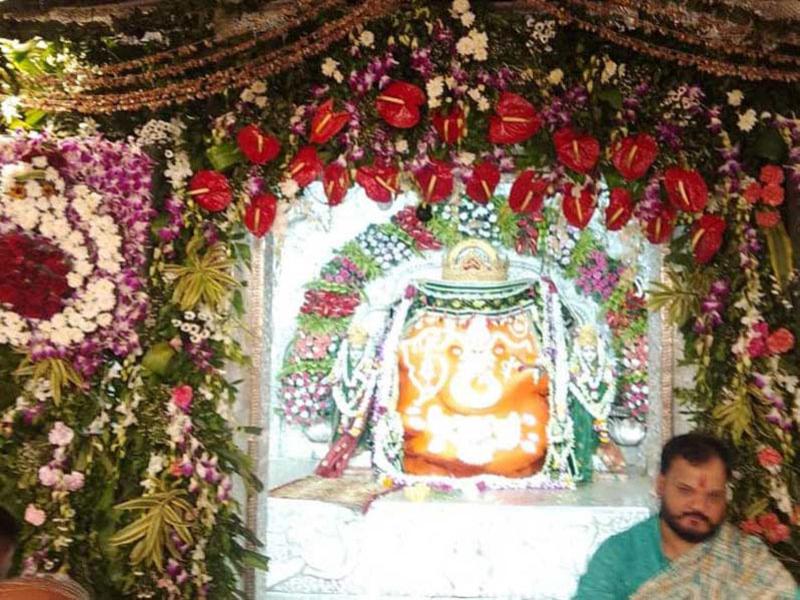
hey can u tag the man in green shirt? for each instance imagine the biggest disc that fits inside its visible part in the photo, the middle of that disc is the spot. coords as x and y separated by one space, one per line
687 550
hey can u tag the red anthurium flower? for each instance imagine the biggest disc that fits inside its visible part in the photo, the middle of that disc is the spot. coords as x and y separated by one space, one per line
515 120
634 154
658 229
577 151
327 123
256 145
378 181
451 127
578 205
306 166
485 177
399 104
707 237
620 209
336 181
435 180
686 189
260 214
527 193
211 190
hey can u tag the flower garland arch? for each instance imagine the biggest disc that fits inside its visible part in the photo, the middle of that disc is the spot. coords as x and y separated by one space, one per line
445 100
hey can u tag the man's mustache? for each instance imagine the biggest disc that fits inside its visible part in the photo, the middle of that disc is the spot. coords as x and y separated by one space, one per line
697 515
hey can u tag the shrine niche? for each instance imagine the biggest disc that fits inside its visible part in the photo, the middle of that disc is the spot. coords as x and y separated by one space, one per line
453 360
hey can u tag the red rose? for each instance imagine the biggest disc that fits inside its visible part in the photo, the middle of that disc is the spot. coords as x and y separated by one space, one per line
451 127
686 189
769 457
306 166
767 218
32 276
211 190
752 192
399 104
634 155
771 174
578 205
774 531
527 193
620 209
259 215
707 237
336 181
780 341
772 194
258 147
484 180
577 151
750 527
515 120
435 180
327 123
658 229
379 182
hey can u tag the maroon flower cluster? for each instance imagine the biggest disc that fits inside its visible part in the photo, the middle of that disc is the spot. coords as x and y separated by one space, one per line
33 276
329 304
408 221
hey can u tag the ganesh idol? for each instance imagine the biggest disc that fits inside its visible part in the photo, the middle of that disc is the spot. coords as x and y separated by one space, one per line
474 378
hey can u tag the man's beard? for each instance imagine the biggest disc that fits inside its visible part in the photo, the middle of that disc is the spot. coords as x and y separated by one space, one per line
688 535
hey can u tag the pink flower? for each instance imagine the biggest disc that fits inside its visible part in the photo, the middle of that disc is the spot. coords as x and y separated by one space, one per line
750 527
35 515
769 458
49 476
60 434
182 397
757 347
74 481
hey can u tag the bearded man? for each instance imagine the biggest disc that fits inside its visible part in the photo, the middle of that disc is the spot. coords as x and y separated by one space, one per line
687 550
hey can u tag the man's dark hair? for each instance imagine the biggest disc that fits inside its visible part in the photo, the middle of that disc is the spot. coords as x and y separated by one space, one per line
697 449
9 527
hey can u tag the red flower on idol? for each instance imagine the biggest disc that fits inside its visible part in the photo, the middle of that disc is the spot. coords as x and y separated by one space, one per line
336 181
658 229
515 120
379 181
707 237
484 180
211 190
686 189
399 104
306 166
435 180
451 127
257 146
620 209
259 215
634 154
577 151
578 205
527 193
327 123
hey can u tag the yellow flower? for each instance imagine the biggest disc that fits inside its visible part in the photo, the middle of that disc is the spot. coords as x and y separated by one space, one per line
418 492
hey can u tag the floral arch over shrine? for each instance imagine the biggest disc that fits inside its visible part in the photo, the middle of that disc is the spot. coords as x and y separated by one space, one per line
444 100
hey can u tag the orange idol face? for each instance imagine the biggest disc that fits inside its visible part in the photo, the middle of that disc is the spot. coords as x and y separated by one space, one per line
471 398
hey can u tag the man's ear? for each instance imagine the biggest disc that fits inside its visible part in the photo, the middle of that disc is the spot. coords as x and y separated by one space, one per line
660 485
